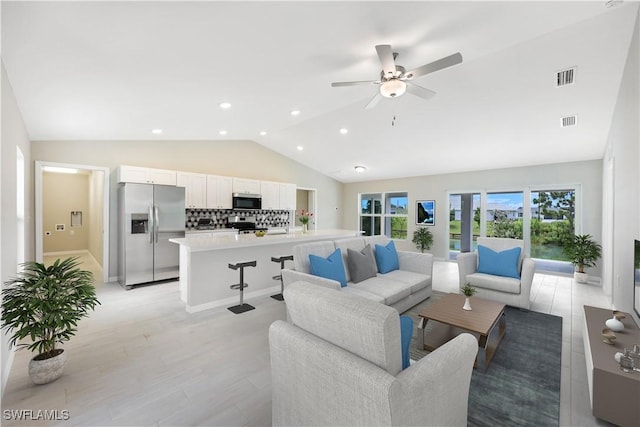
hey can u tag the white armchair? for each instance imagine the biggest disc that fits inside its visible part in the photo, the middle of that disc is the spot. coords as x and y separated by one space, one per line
508 290
338 363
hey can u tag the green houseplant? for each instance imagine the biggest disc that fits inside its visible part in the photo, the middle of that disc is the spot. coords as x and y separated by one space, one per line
582 251
45 304
468 291
422 238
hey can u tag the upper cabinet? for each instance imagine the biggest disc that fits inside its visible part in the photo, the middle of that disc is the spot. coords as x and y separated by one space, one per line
142 175
219 192
244 185
270 192
287 196
195 185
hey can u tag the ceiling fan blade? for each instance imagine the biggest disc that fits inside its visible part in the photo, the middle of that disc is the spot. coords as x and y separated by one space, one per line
373 101
363 82
420 91
386 59
445 62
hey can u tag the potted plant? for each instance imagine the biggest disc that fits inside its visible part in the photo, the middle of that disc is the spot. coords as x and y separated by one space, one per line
304 218
45 304
468 291
583 252
422 238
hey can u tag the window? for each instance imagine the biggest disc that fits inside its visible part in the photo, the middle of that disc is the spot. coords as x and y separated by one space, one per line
552 221
504 215
384 213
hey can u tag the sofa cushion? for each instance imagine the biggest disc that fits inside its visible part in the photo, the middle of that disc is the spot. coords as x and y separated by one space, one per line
331 267
495 283
301 254
361 264
416 280
392 291
350 289
504 263
387 257
355 243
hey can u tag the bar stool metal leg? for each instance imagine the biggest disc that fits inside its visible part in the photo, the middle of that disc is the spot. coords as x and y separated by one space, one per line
242 307
281 260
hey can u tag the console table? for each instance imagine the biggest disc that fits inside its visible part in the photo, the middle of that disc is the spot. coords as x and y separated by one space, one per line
613 393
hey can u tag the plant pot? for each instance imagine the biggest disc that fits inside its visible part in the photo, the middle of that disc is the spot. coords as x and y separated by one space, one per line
467 304
580 277
47 370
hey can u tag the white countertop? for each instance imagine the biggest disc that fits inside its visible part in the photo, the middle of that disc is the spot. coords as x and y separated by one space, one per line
197 244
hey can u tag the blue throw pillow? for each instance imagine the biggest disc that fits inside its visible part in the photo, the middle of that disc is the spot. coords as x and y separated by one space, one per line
387 258
329 268
503 263
406 332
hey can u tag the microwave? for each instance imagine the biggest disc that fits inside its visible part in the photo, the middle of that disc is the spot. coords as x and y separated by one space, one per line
246 201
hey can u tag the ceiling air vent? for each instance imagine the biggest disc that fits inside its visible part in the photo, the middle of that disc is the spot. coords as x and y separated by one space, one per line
569 121
565 77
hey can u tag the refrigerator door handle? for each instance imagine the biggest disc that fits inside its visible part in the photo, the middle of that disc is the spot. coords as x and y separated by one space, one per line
156 221
153 224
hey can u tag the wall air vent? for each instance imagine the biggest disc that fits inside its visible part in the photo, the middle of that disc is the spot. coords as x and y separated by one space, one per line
565 77
569 121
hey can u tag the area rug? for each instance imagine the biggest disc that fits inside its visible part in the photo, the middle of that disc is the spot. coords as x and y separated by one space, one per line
522 385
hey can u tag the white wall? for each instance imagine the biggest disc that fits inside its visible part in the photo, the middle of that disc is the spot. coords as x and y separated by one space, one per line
14 135
96 197
231 158
623 150
587 174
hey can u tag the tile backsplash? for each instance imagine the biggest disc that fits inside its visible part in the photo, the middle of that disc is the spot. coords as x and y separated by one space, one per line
264 218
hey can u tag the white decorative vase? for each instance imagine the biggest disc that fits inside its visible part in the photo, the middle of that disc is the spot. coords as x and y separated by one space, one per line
47 370
467 304
614 324
581 277
305 228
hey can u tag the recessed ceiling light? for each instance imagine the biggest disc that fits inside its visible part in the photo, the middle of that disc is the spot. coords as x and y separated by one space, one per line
223 132
295 112
156 131
225 105
263 133
57 169
300 148
360 169
344 131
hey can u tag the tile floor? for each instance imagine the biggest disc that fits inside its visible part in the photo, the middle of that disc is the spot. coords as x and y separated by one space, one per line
141 360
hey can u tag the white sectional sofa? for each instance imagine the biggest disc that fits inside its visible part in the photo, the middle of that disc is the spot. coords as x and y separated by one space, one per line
401 289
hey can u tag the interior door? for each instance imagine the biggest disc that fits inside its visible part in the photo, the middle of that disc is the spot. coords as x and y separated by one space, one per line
169 206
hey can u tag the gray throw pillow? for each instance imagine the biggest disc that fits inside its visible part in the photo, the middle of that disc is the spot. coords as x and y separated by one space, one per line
361 264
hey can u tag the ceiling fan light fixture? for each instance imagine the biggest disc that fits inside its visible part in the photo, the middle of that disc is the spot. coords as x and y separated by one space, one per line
360 169
393 88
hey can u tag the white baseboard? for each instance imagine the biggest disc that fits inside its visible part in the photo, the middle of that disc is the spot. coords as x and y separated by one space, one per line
232 301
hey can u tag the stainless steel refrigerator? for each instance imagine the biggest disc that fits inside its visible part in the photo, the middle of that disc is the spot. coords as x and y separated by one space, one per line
149 215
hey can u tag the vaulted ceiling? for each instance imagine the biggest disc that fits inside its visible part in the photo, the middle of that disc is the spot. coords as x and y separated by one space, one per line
117 70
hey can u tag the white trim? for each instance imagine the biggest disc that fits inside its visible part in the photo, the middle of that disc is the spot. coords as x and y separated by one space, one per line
39 165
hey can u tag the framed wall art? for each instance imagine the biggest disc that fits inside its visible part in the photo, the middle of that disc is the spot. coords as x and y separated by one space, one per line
426 212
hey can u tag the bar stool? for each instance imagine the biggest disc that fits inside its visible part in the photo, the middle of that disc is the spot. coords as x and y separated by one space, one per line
281 260
242 307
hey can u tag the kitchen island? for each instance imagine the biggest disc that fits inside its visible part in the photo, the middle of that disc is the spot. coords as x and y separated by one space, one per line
205 275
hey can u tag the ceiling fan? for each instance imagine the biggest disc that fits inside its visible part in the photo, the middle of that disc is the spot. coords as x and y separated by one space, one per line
395 80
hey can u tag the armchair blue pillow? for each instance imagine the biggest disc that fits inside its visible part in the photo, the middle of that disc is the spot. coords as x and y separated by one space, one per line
331 267
387 258
504 263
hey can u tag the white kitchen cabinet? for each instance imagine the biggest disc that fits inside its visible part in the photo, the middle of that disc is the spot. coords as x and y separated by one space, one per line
270 192
244 185
146 175
219 192
195 185
287 196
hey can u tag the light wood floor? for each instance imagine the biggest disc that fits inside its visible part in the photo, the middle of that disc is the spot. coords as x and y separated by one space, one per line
141 360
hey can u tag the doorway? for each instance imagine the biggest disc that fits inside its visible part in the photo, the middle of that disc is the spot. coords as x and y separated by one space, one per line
92 220
306 198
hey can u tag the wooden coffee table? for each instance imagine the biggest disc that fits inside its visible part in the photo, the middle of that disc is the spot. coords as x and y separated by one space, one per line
486 321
